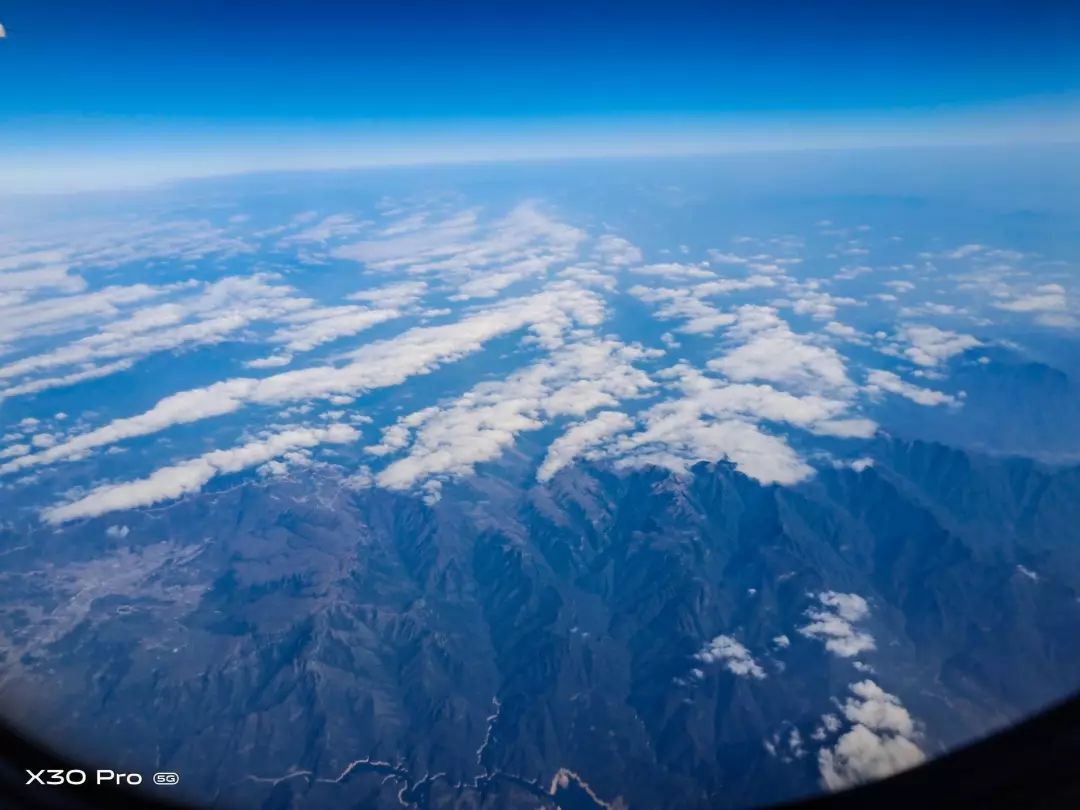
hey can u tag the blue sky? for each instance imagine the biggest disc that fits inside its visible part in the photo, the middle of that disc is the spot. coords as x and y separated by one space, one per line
194 86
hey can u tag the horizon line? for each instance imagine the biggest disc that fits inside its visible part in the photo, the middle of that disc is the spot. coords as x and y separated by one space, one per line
171 156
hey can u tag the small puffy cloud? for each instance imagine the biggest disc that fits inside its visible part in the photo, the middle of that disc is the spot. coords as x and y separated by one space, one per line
860 756
1058 320
786 744
841 330
830 724
964 251
849 606
270 361
15 450
333 226
879 380
687 304
770 350
1044 298
581 437
876 709
614 251
43 440
589 277
833 622
392 296
900 286
734 657
930 308
313 327
879 743
821 306
674 270
720 257
676 435
700 317
931 346
1027 572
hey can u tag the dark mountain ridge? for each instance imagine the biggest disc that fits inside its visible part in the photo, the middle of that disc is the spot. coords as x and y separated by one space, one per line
322 646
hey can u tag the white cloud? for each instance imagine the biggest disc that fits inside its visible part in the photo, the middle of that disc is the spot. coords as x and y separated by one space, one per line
841 330
1044 298
54 276
478 260
724 286
1058 320
392 296
700 318
376 365
589 276
931 308
1027 572
490 284
833 623
900 285
614 251
63 380
190 476
733 655
438 239
964 251
931 346
51 315
888 381
720 257
310 328
331 227
821 306
271 361
676 436
674 270
450 440
879 743
714 419
786 743
685 303
771 351
214 312
581 437
34 258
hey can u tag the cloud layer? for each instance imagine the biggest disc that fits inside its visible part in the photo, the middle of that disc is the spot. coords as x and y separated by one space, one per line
524 324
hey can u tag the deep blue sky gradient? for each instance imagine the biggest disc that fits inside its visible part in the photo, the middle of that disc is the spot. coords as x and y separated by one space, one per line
342 60
124 67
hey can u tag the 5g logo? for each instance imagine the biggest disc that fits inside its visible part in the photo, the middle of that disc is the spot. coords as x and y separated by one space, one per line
166 778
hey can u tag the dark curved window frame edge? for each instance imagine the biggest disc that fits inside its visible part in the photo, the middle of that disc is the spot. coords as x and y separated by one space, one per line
1033 764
